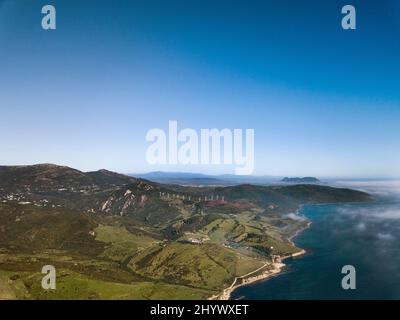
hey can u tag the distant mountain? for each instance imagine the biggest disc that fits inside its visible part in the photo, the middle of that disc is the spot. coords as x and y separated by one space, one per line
183 178
300 180
163 175
199 179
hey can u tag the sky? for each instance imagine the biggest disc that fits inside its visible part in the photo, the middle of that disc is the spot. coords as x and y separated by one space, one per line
323 101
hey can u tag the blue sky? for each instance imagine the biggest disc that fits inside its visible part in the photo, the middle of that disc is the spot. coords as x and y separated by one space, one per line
323 101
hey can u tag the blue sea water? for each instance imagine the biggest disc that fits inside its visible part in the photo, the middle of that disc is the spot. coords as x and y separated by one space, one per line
365 236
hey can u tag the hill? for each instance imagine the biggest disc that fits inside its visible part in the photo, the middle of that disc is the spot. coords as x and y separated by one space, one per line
300 180
52 177
183 178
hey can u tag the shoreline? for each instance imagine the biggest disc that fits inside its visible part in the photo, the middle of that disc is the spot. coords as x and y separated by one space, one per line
277 268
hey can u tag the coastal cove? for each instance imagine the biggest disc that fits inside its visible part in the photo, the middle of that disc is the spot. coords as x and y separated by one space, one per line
360 234
263 273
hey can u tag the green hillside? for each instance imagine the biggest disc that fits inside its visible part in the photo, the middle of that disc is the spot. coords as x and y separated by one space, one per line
116 237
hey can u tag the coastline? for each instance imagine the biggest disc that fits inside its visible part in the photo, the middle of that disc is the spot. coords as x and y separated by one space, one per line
277 268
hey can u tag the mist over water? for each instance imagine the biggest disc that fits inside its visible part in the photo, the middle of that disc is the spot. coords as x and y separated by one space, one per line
363 235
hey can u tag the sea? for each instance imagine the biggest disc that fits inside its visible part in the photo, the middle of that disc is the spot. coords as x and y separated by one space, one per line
363 235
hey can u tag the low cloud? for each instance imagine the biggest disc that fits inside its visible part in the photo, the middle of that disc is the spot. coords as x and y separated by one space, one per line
361 227
375 212
383 188
385 236
296 217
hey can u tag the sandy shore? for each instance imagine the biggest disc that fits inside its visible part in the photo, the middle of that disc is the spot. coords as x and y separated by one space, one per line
269 272
247 279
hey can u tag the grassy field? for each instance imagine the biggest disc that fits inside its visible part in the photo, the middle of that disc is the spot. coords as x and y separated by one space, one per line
121 243
106 259
207 266
111 257
71 285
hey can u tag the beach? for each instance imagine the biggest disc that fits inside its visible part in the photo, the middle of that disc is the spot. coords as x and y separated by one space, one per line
252 276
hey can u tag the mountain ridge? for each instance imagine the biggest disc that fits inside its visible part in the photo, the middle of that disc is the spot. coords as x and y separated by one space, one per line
114 193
